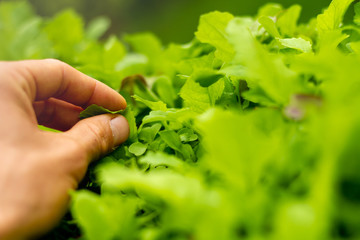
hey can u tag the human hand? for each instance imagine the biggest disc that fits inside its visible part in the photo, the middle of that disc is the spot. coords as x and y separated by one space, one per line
38 168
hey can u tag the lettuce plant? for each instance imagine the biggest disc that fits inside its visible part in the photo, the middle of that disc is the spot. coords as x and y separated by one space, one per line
250 131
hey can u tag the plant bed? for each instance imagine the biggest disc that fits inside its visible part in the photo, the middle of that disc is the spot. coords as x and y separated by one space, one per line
250 131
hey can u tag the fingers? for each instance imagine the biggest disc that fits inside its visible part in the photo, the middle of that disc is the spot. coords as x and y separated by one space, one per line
57 114
52 78
99 134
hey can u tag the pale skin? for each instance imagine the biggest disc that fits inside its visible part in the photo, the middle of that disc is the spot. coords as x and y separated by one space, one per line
39 168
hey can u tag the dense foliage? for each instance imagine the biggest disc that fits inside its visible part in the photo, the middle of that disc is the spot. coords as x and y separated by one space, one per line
250 131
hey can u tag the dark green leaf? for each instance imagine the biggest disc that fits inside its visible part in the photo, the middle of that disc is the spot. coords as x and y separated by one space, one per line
94 110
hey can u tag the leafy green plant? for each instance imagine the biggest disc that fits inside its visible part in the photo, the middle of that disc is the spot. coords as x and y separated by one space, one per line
250 131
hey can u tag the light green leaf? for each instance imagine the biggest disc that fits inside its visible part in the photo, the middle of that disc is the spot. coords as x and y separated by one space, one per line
195 96
165 90
147 134
187 135
97 27
155 106
332 17
131 64
237 157
137 148
173 115
265 73
189 66
172 139
330 40
287 21
145 43
150 46
161 159
212 30
43 128
22 36
216 90
114 52
93 216
66 31
270 10
107 217
296 43
238 71
129 115
269 26
355 46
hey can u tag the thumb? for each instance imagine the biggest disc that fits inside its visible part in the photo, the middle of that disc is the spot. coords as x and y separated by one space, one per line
99 134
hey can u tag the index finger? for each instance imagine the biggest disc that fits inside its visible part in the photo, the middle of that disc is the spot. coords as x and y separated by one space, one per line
53 78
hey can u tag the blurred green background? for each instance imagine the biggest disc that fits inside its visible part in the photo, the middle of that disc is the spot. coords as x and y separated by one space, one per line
171 20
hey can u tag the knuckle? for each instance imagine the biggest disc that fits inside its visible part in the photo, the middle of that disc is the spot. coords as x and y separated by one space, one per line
101 138
58 64
54 61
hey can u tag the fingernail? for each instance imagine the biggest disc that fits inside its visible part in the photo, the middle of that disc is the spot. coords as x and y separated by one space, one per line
120 129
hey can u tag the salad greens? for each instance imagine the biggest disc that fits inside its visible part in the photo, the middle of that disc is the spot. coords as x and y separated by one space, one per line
250 131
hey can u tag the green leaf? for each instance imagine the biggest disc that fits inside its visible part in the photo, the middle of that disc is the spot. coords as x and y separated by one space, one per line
269 26
114 52
156 159
201 96
148 134
238 71
195 96
110 212
155 106
145 43
355 46
332 17
88 208
129 115
236 157
212 30
190 65
215 91
357 14
109 77
270 10
206 77
150 46
132 64
330 40
180 116
267 76
66 32
187 135
43 128
21 33
172 139
97 27
296 43
94 110
137 148
165 90
287 21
